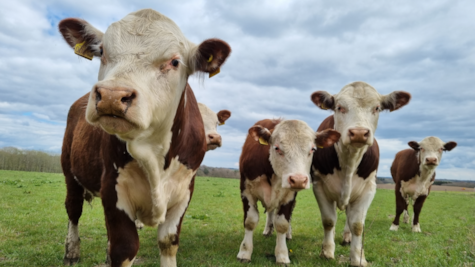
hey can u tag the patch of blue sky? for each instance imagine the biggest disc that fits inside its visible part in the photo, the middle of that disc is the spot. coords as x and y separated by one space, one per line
55 15
36 117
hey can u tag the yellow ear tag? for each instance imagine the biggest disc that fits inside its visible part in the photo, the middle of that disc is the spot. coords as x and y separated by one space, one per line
323 106
211 74
263 142
221 123
210 58
320 146
81 50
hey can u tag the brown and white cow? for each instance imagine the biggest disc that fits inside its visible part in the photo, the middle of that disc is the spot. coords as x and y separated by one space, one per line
274 165
344 175
413 171
211 120
137 139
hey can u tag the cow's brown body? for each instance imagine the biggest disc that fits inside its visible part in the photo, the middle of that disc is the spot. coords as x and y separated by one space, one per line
91 159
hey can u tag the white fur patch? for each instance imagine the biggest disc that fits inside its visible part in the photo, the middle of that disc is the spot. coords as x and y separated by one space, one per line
416 228
394 227
72 242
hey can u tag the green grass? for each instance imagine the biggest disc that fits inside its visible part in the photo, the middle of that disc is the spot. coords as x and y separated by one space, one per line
33 227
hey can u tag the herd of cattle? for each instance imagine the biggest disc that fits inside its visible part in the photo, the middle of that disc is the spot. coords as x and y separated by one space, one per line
137 139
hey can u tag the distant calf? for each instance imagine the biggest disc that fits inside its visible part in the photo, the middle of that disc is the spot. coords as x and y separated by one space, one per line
211 120
413 171
274 165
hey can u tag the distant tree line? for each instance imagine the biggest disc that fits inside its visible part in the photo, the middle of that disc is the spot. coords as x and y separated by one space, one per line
217 172
15 159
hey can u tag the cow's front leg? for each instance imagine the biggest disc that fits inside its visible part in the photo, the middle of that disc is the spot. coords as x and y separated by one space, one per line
328 215
251 218
416 227
356 215
346 234
269 229
282 224
401 206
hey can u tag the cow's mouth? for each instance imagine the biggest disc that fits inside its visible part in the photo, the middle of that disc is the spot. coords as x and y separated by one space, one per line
114 124
213 146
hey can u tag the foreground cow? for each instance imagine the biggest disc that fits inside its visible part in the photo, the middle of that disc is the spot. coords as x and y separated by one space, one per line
137 139
344 175
211 120
274 165
413 171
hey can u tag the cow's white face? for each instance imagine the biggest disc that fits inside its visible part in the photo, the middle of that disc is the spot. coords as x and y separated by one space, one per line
430 150
292 144
357 108
145 64
211 120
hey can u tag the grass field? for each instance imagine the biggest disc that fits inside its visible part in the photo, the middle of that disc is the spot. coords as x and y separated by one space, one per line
33 227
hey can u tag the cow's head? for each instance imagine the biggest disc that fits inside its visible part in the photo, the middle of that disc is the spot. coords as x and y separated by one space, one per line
357 108
211 121
145 64
430 150
292 144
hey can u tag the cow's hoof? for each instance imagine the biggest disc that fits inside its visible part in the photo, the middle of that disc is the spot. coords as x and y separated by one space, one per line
327 255
283 264
70 262
416 228
394 227
267 234
244 260
345 243
363 263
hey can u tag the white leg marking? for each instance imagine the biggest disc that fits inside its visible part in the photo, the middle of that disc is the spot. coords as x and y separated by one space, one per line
72 245
128 263
346 234
416 228
394 227
281 251
269 224
138 224
246 248
288 235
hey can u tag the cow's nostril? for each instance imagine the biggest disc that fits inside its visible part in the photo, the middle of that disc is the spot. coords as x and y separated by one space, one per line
366 134
128 99
98 96
211 137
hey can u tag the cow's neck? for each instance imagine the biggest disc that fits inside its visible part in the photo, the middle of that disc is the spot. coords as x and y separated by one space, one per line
349 158
425 174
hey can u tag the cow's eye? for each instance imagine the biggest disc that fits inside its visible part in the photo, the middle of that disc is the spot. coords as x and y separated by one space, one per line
101 51
175 63
377 109
314 149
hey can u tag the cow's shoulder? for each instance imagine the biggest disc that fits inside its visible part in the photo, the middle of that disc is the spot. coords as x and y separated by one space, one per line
406 165
325 160
254 160
370 161
188 134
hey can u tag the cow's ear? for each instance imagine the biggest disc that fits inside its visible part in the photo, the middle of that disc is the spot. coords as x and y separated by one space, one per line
323 100
395 100
260 134
450 145
327 138
82 36
223 115
414 145
210 55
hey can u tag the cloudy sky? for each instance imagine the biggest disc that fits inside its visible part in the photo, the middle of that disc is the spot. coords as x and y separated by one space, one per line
282 52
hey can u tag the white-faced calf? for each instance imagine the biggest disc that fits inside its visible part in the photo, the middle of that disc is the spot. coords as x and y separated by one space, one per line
274 165
413 171
344 175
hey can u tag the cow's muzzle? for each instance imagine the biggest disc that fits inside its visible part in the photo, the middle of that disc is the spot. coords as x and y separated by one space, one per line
213 141
114 102
359 136
298 181
431 161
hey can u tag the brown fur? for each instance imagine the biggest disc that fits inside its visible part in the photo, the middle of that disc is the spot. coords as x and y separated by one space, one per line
325 160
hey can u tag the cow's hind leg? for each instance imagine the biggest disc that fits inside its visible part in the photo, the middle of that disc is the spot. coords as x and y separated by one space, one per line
269 229
356 215
74 202
251 218
346 234
328 214
416 227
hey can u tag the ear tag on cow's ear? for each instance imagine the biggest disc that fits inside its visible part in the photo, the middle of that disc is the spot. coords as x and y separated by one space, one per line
320 146
81 50
211 74
210 58
263 142
323 106
221 123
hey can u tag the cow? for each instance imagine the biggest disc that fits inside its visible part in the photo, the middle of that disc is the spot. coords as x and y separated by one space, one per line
211 120
344 175
413 171
137 138
213 139
274 165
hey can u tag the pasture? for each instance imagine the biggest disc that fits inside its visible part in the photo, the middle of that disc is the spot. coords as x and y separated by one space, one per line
33 227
